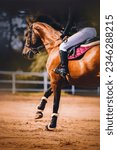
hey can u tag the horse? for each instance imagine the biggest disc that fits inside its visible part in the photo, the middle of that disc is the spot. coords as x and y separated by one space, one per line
82 72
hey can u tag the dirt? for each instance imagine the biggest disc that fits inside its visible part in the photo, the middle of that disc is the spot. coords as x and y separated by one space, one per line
78 123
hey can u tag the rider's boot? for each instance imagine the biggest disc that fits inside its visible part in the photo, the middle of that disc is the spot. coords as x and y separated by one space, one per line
64 64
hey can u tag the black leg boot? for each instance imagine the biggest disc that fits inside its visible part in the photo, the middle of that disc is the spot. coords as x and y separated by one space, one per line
64 64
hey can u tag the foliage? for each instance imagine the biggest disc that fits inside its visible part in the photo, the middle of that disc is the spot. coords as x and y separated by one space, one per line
13 25
39 62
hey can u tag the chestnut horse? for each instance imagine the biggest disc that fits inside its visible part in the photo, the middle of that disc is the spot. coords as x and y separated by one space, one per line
82 72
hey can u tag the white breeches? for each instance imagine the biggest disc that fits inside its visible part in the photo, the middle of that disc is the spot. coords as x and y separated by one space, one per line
82 35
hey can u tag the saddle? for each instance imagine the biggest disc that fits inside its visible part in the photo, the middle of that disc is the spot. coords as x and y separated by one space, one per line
77 51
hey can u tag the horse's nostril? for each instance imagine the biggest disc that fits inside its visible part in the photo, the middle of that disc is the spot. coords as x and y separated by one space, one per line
23 54
30 54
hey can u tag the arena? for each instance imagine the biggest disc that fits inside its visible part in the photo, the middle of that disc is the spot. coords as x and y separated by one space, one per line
78 124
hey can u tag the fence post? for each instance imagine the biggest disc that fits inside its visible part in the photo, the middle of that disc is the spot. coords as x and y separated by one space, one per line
45 81
73 89
98 90
13 83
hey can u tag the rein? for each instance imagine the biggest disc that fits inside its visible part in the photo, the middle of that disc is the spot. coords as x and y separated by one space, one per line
51 42
37 49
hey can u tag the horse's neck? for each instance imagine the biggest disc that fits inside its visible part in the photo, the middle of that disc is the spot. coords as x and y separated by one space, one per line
49 36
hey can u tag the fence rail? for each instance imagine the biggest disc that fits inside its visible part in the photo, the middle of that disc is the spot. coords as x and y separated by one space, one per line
13 81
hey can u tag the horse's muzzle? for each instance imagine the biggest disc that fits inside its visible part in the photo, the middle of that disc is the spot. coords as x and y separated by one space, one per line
28 55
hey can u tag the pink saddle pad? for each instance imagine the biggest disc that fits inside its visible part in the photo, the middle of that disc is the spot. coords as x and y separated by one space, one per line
79 51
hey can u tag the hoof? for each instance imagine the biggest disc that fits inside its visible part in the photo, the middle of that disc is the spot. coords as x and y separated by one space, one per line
39 115
48 128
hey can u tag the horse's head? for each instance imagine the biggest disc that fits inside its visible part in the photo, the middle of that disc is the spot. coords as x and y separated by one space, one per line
33 43
38 36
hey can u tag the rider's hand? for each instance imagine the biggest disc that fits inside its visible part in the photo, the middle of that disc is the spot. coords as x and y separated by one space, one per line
62 36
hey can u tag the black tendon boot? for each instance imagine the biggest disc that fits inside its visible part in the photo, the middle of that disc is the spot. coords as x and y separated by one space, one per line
64 64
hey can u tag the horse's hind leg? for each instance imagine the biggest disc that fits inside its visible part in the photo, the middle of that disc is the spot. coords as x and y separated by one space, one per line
41 107
53 123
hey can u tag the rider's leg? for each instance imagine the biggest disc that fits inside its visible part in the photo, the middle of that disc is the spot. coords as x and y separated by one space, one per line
64 63
77 38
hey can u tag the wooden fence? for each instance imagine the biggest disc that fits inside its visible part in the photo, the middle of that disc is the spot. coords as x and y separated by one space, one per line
14 81
10 77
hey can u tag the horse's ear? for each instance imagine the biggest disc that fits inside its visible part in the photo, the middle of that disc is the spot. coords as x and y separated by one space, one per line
30 20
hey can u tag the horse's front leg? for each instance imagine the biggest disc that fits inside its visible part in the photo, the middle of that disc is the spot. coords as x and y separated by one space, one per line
41 107
57 94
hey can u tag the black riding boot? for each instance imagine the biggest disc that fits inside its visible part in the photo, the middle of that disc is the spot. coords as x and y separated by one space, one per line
64 64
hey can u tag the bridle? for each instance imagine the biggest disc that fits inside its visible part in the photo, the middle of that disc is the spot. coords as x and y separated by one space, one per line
37 49
34 49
